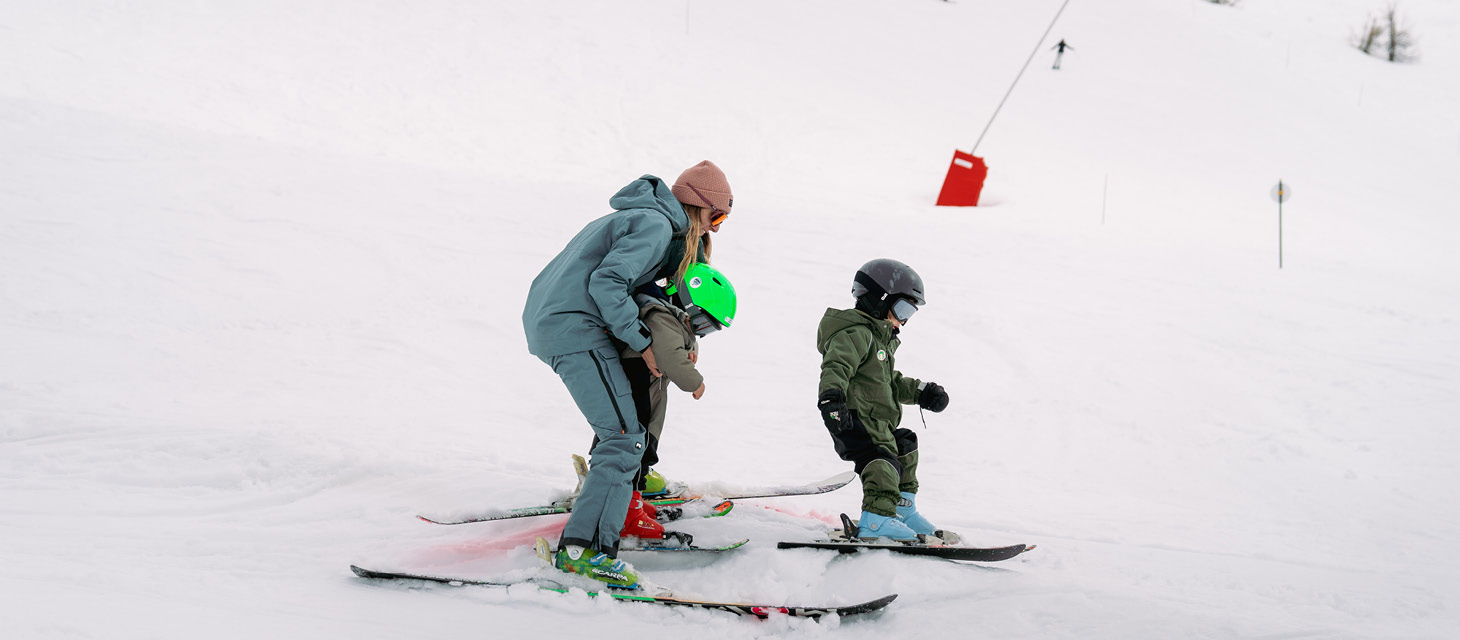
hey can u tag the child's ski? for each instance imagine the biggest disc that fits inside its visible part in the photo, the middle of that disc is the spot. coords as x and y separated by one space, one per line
759 611
845 540
671 510
678 491
674 545
917 549
525 512
680 501
694 508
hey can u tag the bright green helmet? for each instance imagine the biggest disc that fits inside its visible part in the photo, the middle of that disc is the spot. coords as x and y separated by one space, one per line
708 297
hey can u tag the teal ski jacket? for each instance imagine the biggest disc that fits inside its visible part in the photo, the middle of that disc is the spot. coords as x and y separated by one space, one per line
585 295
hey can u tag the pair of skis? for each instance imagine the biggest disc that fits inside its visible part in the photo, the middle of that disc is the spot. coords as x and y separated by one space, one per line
741 608
675 505
672 506
683 503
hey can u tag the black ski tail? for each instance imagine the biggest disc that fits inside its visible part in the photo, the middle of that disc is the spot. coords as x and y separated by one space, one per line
849 528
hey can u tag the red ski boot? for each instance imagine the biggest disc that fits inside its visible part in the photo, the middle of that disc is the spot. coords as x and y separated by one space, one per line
649 510
641 524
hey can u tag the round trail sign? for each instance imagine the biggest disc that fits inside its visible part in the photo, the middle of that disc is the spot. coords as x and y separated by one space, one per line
1282 192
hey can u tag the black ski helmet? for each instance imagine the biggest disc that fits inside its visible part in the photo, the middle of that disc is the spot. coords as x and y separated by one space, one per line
883 281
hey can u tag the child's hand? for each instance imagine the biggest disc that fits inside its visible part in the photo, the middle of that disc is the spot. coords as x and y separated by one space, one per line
694 358
933 397
833 406
649 361
699 392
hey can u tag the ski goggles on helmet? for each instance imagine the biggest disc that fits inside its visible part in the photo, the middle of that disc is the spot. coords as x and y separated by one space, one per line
903 309
716 214
702 323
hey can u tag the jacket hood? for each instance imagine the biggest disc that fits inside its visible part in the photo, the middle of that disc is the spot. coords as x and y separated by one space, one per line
649 303
837 320
649 192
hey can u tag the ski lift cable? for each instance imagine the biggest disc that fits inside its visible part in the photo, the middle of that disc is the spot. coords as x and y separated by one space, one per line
1037 45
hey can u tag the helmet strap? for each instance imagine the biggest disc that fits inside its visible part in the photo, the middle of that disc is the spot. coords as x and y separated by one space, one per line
873 302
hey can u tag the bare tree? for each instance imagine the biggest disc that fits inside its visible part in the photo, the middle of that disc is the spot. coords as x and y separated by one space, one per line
1389 31
1400 46
1368 38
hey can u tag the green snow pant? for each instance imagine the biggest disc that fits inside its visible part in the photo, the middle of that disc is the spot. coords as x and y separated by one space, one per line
886 459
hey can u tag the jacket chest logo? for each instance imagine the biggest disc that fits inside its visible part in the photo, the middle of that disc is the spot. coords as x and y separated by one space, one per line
881 354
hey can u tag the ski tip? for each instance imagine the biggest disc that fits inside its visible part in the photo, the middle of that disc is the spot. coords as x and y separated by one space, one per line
363 573
881 602
867 607
735 545
1005 553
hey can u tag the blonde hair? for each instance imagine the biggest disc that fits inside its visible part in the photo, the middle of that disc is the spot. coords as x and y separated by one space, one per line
695 239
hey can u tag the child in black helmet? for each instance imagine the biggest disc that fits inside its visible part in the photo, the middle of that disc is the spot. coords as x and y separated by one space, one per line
861 393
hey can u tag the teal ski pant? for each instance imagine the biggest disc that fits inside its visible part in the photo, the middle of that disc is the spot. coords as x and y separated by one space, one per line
598 385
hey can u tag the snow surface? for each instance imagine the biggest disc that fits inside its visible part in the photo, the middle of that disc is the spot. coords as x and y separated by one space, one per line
262 266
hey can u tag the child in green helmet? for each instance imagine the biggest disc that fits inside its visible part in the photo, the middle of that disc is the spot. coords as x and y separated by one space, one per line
862 393
677 317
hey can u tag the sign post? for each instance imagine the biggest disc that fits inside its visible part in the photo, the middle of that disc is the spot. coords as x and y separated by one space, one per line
1281 193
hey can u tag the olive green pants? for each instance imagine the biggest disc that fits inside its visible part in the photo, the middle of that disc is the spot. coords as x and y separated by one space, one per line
887 461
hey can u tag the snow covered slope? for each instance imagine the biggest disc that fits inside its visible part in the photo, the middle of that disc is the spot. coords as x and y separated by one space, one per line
262 267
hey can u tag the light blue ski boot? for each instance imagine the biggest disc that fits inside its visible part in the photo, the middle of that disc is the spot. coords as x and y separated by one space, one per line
872 526
907 512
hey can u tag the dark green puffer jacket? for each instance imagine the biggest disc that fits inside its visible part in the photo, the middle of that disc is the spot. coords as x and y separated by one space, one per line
857 357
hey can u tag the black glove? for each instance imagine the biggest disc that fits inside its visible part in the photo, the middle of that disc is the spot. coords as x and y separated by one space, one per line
834 412
933 397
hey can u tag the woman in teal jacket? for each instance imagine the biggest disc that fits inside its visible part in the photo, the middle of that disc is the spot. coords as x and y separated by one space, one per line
580 311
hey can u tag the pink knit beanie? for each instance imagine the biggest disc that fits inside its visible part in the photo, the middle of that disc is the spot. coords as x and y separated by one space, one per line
710 181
